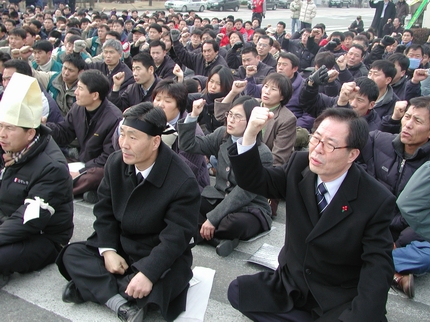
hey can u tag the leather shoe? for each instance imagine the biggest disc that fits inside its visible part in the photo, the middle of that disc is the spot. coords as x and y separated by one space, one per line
226 247
405 283
129 312
71 294
4 279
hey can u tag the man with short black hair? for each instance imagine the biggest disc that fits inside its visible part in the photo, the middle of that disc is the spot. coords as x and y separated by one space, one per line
280 32
201 63
264 45
352 63
139 91
251 63
154 32
92 121
407 37
163 63
42 52
140 252
399 82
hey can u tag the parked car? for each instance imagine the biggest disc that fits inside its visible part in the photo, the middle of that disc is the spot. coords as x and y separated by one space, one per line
284 4
270 4
186 5
339 3
222 5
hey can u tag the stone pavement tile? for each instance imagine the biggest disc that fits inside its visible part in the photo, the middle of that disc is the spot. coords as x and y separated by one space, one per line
15 309
219 312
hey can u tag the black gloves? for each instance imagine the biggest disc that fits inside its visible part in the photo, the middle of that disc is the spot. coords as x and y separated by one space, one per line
387 41
400 49
237 45
332 44
319 77
175 35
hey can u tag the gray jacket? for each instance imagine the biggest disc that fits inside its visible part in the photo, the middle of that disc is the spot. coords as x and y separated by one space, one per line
235 199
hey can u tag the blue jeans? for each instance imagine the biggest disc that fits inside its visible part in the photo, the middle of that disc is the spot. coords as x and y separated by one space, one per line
295 23
414 258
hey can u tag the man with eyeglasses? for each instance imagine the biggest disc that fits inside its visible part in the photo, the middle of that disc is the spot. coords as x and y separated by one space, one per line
264 45
336 263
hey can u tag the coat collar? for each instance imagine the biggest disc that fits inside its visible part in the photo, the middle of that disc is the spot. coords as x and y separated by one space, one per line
161 167
338 209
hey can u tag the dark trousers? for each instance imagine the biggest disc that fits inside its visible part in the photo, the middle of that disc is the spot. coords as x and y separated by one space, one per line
295 315
292 316
86 268
31 254
242 225
305 25
89 181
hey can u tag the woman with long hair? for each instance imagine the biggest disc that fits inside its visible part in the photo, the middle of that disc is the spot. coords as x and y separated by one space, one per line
227 212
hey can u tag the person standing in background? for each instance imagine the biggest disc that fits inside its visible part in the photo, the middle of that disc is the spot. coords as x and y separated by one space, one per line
295 7
384 10
308 11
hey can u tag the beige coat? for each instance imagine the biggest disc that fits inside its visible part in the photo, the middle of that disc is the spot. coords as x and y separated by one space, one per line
308 11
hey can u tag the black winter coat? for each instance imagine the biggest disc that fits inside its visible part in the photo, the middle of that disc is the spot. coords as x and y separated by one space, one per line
43 173
94 136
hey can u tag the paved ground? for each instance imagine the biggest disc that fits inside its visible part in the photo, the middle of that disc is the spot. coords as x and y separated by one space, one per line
37 296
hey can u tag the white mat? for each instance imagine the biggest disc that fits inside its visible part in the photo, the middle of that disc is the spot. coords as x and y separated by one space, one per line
198 295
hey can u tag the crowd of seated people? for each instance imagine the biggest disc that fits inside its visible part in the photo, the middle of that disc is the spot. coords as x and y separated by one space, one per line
92 68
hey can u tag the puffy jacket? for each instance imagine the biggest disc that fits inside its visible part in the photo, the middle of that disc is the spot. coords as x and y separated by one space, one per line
308 11
295 9
43 173
383 157
296 47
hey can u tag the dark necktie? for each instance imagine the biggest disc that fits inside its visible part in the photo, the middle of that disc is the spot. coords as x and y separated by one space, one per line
322 202
139 178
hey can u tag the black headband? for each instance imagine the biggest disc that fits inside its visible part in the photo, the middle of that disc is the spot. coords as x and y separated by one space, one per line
143 126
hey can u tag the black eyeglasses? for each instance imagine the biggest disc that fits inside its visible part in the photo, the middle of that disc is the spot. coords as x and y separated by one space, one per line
329 148
235 117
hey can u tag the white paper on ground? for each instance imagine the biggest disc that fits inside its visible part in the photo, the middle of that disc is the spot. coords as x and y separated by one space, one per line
266 255
198 295
76 166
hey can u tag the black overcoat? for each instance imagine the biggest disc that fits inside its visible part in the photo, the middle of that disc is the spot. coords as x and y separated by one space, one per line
343 258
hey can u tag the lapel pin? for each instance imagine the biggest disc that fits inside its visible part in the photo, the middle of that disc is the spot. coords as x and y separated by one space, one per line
344 208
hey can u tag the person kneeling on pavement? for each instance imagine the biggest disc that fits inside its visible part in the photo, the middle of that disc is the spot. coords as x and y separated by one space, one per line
227 212
36 201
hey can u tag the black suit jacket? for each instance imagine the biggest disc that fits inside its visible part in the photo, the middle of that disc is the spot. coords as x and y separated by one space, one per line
342 260
390 13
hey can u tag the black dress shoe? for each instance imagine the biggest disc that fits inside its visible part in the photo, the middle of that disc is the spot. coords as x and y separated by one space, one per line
71 294
213 242
226 247
129 312
4 279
